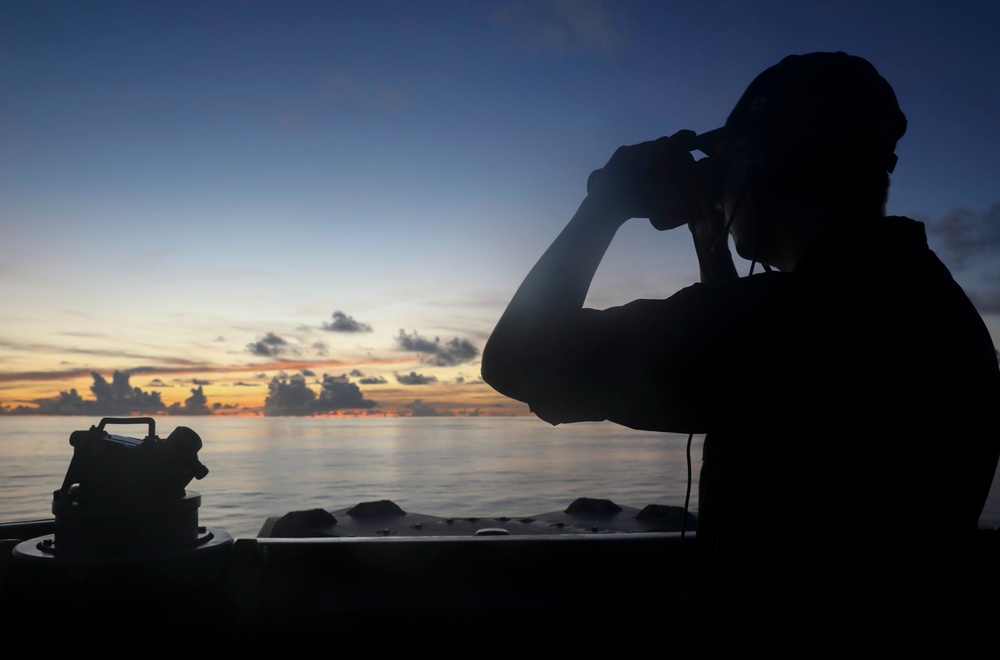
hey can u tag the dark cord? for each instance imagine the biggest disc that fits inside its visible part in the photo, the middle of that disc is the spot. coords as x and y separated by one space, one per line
687 495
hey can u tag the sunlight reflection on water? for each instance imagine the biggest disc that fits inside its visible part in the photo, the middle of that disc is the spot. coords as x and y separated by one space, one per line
264 467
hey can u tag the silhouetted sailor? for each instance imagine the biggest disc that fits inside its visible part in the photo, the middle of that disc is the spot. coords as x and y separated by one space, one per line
849 397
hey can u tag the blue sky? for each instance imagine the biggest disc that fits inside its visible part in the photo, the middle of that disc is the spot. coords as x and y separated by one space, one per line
179 180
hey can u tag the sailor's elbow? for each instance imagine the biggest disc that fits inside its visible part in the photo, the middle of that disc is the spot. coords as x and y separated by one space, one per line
495 368
503 370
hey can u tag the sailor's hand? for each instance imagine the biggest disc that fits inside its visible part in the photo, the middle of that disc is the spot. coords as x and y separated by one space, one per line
708 226
656 180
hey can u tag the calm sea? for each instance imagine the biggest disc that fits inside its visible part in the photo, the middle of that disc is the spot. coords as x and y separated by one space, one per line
447 466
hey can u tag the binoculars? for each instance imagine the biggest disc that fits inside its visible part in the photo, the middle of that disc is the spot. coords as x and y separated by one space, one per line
703 180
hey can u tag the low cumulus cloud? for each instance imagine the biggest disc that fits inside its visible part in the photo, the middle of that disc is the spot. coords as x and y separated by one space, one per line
289 395
420 409
373 380
119 396
969 243
115 398
436 354
196 404
270 345
416 343
292 396
339 393
413 378
344 323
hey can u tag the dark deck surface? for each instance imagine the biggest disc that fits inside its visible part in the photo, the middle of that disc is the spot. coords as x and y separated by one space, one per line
387 579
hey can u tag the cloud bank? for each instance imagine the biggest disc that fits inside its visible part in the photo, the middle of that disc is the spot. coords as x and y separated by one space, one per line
117 398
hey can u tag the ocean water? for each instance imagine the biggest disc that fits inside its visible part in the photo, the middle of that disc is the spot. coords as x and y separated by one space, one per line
446 466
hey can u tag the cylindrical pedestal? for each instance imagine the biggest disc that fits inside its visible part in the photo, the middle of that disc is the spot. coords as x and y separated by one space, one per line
174 599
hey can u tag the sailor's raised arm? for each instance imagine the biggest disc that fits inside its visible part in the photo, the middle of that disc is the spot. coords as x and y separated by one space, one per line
639 181
550 295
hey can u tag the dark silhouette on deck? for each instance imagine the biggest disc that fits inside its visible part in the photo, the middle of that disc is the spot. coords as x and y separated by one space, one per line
852 394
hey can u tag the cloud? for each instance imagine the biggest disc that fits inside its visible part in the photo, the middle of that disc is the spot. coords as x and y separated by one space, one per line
356 373
420 409
156 382
200 381
290 121
66 403
561 26
967 235
344 323
416 343
308 373
270 345
986 299
289 396
119 397
338 393
260 370
413 378
389 98
196 404
455 351
969 242
32 347
338 87
373 380
292 396
116 398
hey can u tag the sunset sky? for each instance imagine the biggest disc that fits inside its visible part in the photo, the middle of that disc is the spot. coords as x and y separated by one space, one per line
215 194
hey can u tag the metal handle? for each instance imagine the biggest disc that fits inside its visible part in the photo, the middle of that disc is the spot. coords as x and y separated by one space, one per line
130 420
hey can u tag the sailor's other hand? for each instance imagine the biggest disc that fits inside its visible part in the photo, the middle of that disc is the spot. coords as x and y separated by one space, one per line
656 180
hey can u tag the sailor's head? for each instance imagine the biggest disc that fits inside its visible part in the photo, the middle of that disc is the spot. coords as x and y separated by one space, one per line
814 129
821 107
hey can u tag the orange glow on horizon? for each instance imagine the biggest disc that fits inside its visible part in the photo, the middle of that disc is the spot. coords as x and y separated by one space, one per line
246 396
